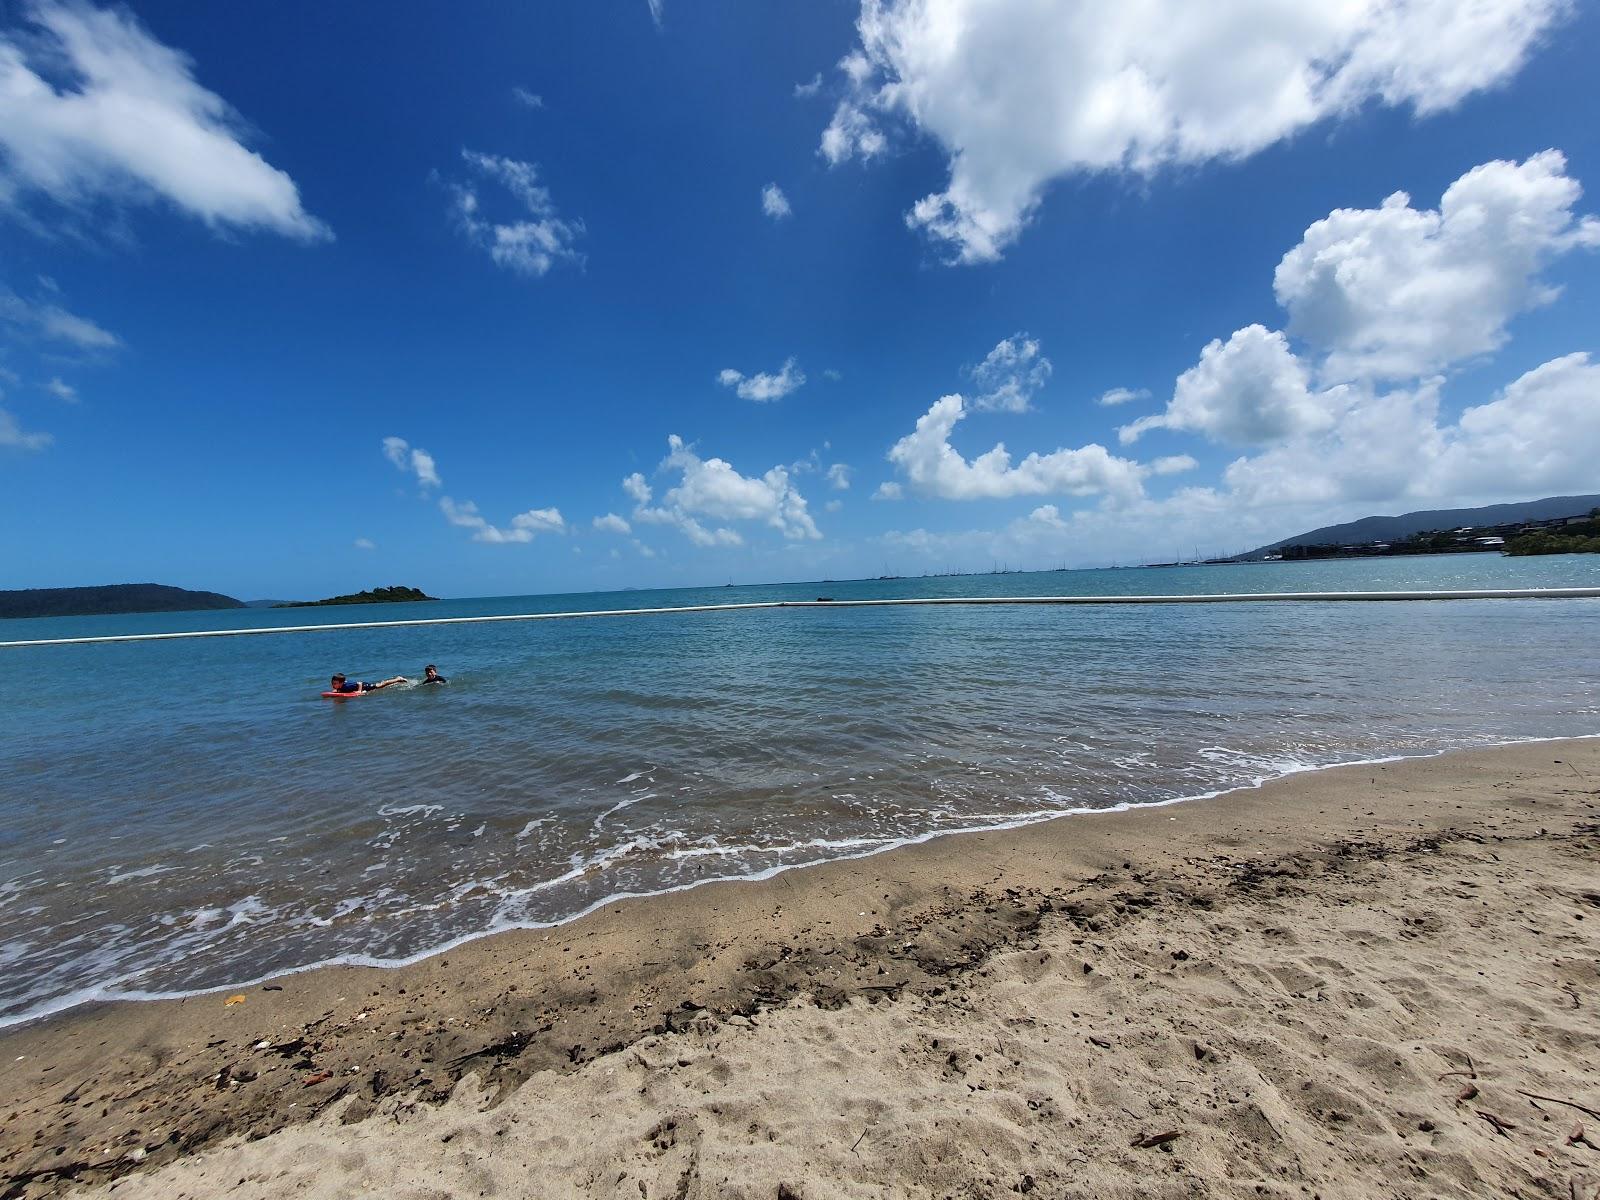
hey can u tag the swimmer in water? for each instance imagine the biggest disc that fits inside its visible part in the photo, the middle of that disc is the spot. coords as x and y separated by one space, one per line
431 675
353 687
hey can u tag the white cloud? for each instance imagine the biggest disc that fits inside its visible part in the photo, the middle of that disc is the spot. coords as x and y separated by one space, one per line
12 435
1021 92
833 506
804 91
889 490
934 467
412 459
1121 395
838 476
637 488
774 203
524 526
763 387
712 489
1173 464
62 390
365 544
537 238
1250 390
656 11
611 523
1538 436
526 98
831 375
97 109
1396 292
54 323
1010 375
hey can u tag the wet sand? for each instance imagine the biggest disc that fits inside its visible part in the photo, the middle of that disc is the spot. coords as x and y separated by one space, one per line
1352 983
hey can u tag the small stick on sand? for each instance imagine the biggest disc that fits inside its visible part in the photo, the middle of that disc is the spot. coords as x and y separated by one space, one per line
1156 1139
1558 1100
857 1142
1500 1123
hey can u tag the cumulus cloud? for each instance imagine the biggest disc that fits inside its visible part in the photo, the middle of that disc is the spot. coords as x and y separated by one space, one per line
1019 93
524 526
889 489
636 487
15 437
935 468
413 460
1121 395
838 477
710 489
62 390
1249 390
611 523
1384 299
774 203
53 323
536 238
98 110
1537 436
762 386
1395 292
1010 375
1173 464
804 91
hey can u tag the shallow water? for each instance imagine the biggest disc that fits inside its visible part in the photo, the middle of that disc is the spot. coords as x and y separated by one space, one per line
191 814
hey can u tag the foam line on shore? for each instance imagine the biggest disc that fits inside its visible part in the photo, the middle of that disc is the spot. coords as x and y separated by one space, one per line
1568 593
108 993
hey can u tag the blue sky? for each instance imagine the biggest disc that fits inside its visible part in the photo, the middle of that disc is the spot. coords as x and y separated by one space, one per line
253 259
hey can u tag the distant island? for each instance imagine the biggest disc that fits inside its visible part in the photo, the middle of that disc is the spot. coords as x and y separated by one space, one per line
1575 537
1554 525
385 595
111 598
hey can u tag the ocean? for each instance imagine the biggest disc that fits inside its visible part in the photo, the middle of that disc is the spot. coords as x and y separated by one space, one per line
185 815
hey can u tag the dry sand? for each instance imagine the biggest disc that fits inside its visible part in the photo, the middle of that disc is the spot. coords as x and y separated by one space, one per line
1345 984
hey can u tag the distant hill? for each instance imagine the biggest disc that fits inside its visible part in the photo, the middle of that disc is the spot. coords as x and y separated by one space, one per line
385 595
1392 529
112 598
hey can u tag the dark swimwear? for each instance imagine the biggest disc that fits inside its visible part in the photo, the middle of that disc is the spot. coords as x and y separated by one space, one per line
436 679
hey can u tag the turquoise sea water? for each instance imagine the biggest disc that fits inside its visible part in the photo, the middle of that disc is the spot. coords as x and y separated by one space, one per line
191 814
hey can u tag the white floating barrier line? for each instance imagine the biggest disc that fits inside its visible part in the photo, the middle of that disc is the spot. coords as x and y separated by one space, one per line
1570 593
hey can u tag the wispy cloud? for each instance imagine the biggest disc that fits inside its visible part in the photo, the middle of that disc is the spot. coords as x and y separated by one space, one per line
1121 395
774 203
526 98
53 323
412 459
532 242
14 436
763 387
62 391
524 527
98 110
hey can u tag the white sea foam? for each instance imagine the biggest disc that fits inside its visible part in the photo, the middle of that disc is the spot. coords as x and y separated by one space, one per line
117 984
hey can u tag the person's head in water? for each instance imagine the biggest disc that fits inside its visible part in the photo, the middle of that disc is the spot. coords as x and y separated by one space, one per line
337 681
431 674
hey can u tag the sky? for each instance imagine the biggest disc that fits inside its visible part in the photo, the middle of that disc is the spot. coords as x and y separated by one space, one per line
298 299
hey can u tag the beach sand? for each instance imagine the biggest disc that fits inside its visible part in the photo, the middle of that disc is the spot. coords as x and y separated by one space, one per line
1351 983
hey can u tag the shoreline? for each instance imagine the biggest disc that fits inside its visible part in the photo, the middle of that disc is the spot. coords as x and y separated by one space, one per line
93 998
118 1087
